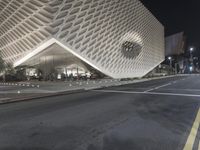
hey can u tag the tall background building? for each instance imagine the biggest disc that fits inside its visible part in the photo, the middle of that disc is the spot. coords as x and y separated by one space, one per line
175 44
175 48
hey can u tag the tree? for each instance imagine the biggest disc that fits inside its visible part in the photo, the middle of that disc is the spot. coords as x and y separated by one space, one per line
5 68
9 70
2 65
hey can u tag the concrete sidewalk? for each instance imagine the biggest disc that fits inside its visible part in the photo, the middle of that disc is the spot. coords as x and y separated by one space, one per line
13 92
61 86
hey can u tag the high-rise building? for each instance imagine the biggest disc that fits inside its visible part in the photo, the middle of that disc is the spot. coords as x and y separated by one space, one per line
175 44
119 38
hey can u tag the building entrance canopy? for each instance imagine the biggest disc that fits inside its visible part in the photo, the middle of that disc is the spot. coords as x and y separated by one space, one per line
56 59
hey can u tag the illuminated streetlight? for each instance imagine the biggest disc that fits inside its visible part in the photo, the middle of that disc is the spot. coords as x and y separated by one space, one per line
170 58
191 59
170 61
191 49
191 68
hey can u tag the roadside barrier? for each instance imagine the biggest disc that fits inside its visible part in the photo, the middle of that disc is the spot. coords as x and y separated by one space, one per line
20 84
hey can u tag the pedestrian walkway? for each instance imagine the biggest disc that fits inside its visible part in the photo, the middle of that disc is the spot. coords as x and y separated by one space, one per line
10 92
60 86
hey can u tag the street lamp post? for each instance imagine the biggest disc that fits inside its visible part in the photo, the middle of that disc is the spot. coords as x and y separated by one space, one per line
191 59
170 61
191 51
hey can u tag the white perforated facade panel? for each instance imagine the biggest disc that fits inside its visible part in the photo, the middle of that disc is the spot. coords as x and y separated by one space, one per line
121 38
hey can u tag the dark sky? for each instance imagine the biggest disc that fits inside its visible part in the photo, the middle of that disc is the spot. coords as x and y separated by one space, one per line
178 15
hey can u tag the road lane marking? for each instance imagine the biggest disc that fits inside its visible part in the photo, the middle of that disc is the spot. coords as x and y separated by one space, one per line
162 86
199 146
147 93
193 90
158 87
149 90
193 133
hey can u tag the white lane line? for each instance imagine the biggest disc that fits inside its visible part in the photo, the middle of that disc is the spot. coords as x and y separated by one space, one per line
115 91
158 87
199 146
149 90
162 86
147 93
193 90
193 133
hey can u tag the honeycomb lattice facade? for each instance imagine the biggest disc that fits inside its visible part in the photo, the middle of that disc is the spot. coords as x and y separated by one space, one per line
121 38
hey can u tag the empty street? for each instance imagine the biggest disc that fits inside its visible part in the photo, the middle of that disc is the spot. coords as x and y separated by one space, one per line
152 115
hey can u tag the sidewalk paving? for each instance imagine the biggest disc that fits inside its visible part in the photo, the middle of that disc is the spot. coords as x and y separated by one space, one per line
20 91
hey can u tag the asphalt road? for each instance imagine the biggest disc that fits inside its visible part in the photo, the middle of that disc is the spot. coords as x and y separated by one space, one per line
154 115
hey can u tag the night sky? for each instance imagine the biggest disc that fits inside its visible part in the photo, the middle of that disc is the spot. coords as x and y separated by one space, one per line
177 16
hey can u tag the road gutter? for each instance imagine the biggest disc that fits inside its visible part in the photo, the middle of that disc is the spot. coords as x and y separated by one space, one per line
28 98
